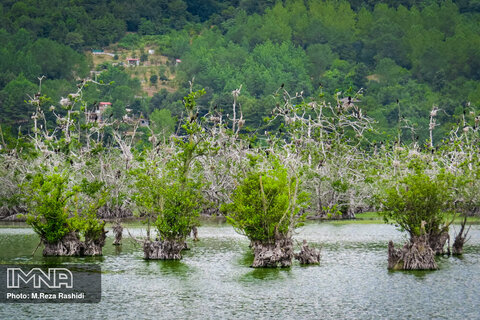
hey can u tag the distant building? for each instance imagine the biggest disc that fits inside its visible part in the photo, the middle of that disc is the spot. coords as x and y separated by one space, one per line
97 114
104 105
151 51
133 62
100 52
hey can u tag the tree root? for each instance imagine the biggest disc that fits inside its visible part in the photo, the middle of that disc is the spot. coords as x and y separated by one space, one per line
70 245
308 255
437 241
163 250
415 255
273 254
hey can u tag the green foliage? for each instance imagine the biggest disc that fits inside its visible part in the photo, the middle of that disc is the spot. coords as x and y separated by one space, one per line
180 210
162 122
153 79
118 88
169 195
418 198
14 100
55 208
47 199
171 204
129 41
419 53
57 61
332 212
265 204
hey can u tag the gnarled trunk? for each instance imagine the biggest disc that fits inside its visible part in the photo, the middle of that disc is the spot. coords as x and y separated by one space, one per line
195 233
415 255
273 254
93 247
70 245
308 255
460 239
118 232
163 250
113 212
13 213
437 241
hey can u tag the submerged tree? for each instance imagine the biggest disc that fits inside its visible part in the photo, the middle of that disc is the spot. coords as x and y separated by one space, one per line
168 192
172 208
266 208
67 226
419 205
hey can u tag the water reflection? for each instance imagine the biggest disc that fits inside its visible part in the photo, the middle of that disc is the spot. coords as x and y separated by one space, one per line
246 258
214 280
265 274
171 268
118 249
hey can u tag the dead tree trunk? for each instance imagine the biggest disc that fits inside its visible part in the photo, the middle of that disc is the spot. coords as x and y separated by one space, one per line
195 233
163 250
113 212
118 232
415 255
273 254
437 241
308 255
460 239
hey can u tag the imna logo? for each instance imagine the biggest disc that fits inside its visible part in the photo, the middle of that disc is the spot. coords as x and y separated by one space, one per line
54 278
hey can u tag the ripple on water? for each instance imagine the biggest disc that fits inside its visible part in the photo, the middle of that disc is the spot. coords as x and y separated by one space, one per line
214 280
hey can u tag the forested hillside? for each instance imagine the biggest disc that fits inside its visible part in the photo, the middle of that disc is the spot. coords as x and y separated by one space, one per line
399 58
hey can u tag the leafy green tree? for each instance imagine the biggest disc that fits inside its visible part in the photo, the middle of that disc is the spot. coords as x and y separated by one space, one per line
14 99
170 195
55 209
146 27
321 58
419 204
74 40
153 79
129 41
58 61
265 205
47 202
389 72
275 26
162 122
170 205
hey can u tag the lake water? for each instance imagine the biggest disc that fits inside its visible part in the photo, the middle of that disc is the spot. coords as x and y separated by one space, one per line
214 280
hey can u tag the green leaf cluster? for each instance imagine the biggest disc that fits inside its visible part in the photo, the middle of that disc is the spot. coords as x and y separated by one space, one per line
265 204
55 209
180 211
169 194
418 199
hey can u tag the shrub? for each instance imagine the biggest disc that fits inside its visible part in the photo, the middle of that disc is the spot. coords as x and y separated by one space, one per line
266 204
55 208
418 199
169 196
153 79
172 206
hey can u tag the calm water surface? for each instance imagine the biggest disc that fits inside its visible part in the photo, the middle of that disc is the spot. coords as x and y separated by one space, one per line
214 281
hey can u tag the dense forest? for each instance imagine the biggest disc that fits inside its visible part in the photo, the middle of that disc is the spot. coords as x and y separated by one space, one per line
398 58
